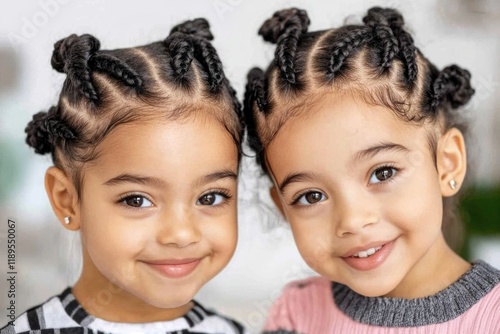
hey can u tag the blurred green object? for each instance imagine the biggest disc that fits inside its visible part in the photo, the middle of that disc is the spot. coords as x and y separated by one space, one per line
10 169
480 212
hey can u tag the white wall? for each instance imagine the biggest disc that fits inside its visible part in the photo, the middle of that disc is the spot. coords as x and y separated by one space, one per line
448 31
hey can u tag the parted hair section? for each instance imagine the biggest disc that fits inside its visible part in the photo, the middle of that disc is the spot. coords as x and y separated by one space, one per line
376 60
173 78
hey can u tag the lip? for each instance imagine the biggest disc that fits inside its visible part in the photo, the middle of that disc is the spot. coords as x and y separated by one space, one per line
373 261
174 268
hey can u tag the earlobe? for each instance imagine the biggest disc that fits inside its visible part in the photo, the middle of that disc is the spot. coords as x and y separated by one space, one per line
63 197
451 161
273 191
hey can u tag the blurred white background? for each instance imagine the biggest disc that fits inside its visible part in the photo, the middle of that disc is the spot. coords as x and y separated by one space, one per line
465 32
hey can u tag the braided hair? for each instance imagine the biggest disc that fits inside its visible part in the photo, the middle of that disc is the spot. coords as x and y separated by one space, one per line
377 59
106 88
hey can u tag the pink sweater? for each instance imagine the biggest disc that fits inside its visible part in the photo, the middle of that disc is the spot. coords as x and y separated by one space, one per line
316 306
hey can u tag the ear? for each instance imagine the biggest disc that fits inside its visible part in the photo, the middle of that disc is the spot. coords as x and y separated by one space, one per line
451 161
63 197
273 191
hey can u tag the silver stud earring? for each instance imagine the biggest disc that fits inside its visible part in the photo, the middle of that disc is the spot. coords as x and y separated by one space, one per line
67 220
453 184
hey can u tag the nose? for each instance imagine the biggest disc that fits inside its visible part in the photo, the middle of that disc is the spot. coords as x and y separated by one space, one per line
177 227
354 213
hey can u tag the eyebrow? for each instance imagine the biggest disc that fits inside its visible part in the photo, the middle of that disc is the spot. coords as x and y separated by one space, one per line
158 183
132 178
359 156
295 177
372 151
219 175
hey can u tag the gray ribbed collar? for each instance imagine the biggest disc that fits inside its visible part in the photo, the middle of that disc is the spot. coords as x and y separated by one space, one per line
445 305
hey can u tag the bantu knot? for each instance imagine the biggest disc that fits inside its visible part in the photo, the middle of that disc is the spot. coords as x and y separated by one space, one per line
37 135
198 27
71 56
453 86
43 130
285 28
384 16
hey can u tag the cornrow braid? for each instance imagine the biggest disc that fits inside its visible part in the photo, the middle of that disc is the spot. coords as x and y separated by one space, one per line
190 40
116 68
180 46
71 56
285 28
408 52
255 92
343 48
359 55
90 106
211 61
382 21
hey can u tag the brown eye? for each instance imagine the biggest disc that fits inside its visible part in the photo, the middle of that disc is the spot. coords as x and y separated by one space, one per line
213 198
382 174
137 201
311 197
208 199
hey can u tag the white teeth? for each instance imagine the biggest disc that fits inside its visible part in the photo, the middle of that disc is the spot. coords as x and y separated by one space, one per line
363 254
367 252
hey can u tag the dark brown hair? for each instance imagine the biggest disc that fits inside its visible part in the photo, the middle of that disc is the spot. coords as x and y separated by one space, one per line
105 88
376 61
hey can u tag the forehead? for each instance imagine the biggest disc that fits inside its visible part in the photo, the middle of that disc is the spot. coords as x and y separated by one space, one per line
173 149
340 126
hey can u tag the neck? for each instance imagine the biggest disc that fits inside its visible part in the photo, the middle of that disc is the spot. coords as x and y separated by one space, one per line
103 299
440 263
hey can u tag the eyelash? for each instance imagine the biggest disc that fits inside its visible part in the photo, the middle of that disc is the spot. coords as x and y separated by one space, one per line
132 195
296 199
222 192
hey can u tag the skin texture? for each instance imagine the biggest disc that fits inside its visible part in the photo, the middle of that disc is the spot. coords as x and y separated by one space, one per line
351 208
118 239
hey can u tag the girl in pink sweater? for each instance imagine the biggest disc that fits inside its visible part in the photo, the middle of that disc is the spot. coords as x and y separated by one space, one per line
362 138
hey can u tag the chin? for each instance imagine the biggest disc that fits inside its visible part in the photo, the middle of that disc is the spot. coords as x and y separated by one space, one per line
169 302
375 289
168 299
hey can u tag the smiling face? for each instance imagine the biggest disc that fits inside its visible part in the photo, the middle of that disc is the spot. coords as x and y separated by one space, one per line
362 194
157 215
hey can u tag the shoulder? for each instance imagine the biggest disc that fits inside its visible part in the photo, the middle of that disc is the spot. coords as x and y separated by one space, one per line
300 291
302 302
208 321
50 314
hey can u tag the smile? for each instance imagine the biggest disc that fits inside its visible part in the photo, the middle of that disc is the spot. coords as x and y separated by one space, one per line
368 252
174 268
370 256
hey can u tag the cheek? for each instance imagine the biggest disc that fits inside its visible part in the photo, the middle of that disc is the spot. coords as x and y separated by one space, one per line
106 236
313 239
417 203
221 233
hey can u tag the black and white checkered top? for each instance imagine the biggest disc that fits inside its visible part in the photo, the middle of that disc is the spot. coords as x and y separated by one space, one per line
64 315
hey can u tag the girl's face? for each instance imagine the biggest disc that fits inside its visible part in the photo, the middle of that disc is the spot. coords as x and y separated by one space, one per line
362 194
158 213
